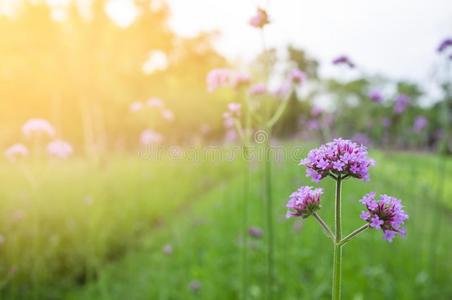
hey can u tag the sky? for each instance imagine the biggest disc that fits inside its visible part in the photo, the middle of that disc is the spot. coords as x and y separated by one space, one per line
393 38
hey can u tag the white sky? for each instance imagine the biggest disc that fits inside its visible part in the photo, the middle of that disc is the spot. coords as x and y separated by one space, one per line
397 38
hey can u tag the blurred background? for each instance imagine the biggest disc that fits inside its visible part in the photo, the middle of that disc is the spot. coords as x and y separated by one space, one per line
89 87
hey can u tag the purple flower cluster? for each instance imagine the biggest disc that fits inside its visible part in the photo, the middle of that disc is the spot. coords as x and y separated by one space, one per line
232 114
419 124
255 232
339 157
343 60
376 96
401 103
444 45
387 215
304 202
260 19
297 76
225 78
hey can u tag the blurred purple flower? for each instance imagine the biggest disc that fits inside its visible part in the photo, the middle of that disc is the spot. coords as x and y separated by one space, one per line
260 19
150 137
229 121
135 106
234 109
304 202
339 157
230 136
387 215
59 149
16 152
282 90
258 89
386 122
218 78
419 124
313 124
446 43
195 286
401 103
297 76
343 60
376 96
225 78
168 115
167 249
37 127
255 232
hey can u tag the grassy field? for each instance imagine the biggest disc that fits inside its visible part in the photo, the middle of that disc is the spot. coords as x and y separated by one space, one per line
62 222
90 231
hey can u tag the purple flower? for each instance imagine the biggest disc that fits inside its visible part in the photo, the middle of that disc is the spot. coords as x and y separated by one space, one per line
195 286
167 249
168 115
229 121
255 232
258 89
282 90
419 124
15 152
225 78
230 136
387 215
304 202
38 127
260 19
343 60
218 78
150 137
135 106
231 115
316 111
446 43
234 108
386 122
313 124
59 149
339 157
401 103
376 96
297 76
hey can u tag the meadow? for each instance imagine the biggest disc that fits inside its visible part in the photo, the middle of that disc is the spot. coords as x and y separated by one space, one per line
144 162
131 228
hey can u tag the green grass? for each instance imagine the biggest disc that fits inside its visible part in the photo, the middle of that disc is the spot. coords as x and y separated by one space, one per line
79 216
206 239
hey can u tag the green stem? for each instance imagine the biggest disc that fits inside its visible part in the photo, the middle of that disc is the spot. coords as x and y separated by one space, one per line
337 259
268 196
325 227
244 287
246 194
354 234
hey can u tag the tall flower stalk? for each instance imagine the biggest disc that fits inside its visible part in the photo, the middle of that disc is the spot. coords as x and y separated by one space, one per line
342 160
260 116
